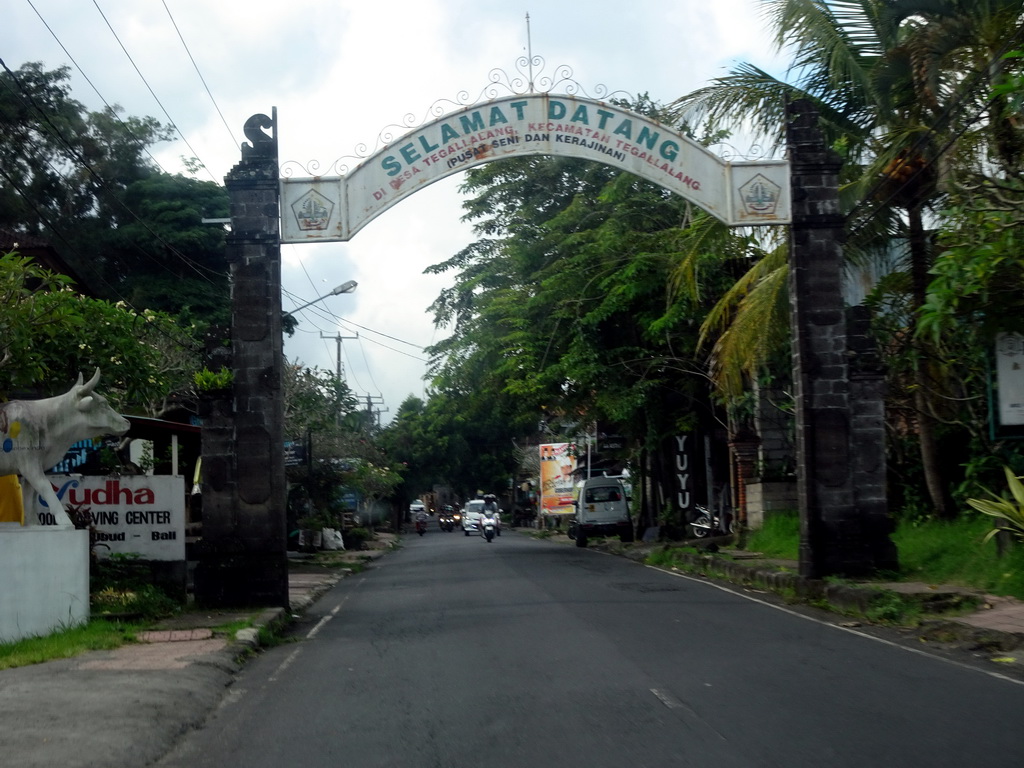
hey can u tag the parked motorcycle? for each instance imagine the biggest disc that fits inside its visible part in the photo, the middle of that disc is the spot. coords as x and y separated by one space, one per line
705 523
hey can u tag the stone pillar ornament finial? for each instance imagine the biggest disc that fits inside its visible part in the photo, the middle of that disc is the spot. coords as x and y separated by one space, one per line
262 146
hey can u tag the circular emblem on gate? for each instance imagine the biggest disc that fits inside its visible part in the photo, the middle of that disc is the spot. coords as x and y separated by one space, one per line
760 196
312 211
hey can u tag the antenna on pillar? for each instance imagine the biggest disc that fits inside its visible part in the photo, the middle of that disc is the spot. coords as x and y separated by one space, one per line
529 51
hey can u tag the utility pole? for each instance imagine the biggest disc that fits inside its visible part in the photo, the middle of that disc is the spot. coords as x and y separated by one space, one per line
370 401
338 339
338 370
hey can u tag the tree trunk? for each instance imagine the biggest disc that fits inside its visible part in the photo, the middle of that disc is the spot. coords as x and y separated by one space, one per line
645 518
920 262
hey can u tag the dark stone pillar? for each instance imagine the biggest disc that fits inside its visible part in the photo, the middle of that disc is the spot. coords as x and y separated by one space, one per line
244 560
867 428
217 412
831 535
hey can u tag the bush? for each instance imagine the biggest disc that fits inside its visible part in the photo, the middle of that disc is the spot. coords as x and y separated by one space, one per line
121 585
778 537
355 538
145 602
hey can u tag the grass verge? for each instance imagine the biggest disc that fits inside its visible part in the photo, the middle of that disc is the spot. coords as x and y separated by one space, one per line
97 635
933 552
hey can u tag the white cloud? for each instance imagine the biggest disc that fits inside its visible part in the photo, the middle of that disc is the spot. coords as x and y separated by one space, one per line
339 72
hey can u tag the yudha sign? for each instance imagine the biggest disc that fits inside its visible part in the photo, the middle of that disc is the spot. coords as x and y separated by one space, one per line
332 208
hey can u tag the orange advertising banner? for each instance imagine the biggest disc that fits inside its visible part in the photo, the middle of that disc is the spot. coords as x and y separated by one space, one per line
556 479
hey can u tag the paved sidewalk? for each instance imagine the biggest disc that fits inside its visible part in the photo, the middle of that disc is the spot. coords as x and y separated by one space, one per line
1001 614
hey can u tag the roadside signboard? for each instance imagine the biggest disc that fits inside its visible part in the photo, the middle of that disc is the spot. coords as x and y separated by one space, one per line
131 514
1010 379
557 465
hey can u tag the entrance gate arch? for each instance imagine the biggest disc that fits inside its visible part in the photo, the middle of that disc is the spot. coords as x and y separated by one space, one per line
841 490
333 208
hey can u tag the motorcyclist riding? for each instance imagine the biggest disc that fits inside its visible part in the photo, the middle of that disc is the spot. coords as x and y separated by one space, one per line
421 522
490 511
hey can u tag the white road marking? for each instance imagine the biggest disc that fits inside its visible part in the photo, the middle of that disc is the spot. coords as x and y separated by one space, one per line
319 625
751 598
285 664
667 698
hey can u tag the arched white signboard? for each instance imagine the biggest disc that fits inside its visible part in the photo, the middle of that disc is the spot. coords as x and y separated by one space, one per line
333 208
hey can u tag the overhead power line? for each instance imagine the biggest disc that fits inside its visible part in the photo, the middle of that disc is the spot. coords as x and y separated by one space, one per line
234 141
152 92
75 156
109 107
56 230
326 314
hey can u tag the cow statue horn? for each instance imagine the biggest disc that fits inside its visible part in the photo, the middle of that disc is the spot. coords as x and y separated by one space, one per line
91 384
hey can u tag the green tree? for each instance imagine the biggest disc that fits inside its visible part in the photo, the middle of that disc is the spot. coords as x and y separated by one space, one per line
318 404
51 334
894 83
565 302
87 182
62 164
319 411
975 288
160 255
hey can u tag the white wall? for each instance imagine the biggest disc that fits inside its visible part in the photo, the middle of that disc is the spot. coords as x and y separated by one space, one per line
44 580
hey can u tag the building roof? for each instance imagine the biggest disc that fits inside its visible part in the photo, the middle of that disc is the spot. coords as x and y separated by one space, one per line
146 428
43 254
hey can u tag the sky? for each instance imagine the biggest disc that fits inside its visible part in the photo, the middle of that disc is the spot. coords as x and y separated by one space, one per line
342 74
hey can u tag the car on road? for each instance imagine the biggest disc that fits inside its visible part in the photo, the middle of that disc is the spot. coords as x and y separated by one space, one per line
471 514
601 510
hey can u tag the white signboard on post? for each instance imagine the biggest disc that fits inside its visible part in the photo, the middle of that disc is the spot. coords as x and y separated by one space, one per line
1010 378
132 514
333 208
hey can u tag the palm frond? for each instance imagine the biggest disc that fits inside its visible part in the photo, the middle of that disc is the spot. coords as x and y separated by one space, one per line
751 322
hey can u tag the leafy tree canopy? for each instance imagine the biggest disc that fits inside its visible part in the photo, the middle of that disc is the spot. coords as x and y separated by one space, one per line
49 334
86 181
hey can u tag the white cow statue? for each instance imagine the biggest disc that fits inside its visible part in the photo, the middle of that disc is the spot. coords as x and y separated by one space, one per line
35 435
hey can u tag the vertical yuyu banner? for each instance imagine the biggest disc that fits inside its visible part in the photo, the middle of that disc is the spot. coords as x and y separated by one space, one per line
556 478
689 480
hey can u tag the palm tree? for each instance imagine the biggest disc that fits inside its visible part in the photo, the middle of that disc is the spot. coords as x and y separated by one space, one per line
889 79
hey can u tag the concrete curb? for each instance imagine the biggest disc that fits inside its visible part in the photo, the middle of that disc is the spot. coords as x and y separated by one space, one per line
969 631
853 598
301 598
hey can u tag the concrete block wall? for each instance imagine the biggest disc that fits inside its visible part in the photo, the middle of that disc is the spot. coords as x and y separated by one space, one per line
44 580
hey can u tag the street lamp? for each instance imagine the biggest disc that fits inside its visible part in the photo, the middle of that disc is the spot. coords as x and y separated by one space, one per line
288 320
347 287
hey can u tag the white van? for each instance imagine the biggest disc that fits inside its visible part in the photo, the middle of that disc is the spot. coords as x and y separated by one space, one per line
601 510
471 514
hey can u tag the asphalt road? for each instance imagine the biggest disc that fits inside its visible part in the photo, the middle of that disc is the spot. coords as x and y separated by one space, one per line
455 652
